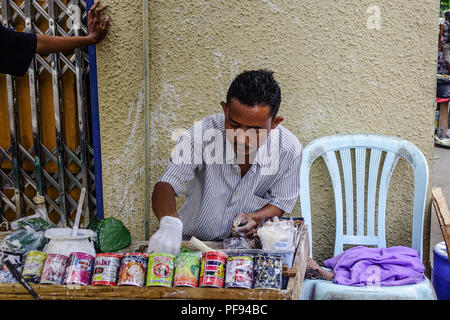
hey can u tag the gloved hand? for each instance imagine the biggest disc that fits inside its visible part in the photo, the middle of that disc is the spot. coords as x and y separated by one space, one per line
243 225
168 237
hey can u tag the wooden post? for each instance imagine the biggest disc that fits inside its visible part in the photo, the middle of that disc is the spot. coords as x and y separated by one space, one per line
443 214
443 118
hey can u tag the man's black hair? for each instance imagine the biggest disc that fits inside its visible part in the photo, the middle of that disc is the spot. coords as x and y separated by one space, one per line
447 15
257 87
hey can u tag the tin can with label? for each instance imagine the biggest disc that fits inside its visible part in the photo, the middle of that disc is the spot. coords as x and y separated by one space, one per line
34 264
268 271
212 271
133 268
239 272
54 269
106 269
187 269
161 267
79 268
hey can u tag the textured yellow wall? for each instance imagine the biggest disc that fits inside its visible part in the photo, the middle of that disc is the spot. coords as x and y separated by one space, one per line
121 103
337 75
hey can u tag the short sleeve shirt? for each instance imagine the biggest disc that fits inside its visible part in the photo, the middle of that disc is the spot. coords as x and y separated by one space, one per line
216 192
17 49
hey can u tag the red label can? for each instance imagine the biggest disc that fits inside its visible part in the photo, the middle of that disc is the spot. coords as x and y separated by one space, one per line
106 269
212 271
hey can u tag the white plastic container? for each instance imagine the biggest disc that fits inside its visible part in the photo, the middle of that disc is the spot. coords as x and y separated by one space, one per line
62 242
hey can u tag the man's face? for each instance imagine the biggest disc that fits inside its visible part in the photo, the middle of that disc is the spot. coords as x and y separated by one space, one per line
247 127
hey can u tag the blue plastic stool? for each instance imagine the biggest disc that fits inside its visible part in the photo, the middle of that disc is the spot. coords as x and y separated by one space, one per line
441 271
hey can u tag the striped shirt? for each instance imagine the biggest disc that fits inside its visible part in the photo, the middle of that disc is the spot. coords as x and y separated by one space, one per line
215 191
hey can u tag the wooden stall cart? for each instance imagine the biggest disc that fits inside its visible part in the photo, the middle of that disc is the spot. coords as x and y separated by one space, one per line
77 292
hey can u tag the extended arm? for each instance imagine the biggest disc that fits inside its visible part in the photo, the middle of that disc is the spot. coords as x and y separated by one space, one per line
169 235
247 223
163 200
266 212
97 30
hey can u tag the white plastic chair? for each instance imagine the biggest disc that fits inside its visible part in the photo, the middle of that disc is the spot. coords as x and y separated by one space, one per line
394 148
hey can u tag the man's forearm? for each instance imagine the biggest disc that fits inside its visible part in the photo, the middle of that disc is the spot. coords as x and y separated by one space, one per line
163 200
266 212
48 44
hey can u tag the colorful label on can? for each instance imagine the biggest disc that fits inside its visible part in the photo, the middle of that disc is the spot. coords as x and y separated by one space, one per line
268 272
187 270
212 271
106 269
239 272
133 268
54 269
33 266
161 268
79 269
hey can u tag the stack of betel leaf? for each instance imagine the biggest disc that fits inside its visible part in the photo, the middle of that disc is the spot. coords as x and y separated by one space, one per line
111 234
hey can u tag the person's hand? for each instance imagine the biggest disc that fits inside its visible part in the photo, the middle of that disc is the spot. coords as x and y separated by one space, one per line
168 237
97 28
244 225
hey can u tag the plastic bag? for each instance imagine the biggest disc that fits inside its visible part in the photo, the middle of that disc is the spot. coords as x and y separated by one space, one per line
30 230
38 224
25 239
277 234
111 234
39 221
241 243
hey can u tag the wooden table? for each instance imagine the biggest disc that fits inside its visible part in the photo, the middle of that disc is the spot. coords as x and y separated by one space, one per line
76 292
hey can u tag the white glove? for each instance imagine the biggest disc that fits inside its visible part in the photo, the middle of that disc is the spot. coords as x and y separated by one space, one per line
243 225
168 237
238 223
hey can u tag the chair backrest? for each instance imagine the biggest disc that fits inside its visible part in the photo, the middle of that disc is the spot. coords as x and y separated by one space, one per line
393 148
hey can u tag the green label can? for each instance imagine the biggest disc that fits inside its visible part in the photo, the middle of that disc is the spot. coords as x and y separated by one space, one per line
33 266
187 269
161 267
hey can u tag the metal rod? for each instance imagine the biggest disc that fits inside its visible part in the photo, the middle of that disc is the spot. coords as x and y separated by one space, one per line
14 134
3 207
35 105
15 137
13 126
81 106
58 107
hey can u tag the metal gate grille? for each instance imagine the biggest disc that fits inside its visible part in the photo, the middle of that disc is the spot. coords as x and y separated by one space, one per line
58 172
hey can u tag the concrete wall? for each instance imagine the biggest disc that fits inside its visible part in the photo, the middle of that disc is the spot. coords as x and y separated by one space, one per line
343 66
121 103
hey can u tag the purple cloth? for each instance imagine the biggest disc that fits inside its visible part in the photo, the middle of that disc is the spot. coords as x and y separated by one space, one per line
392 266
